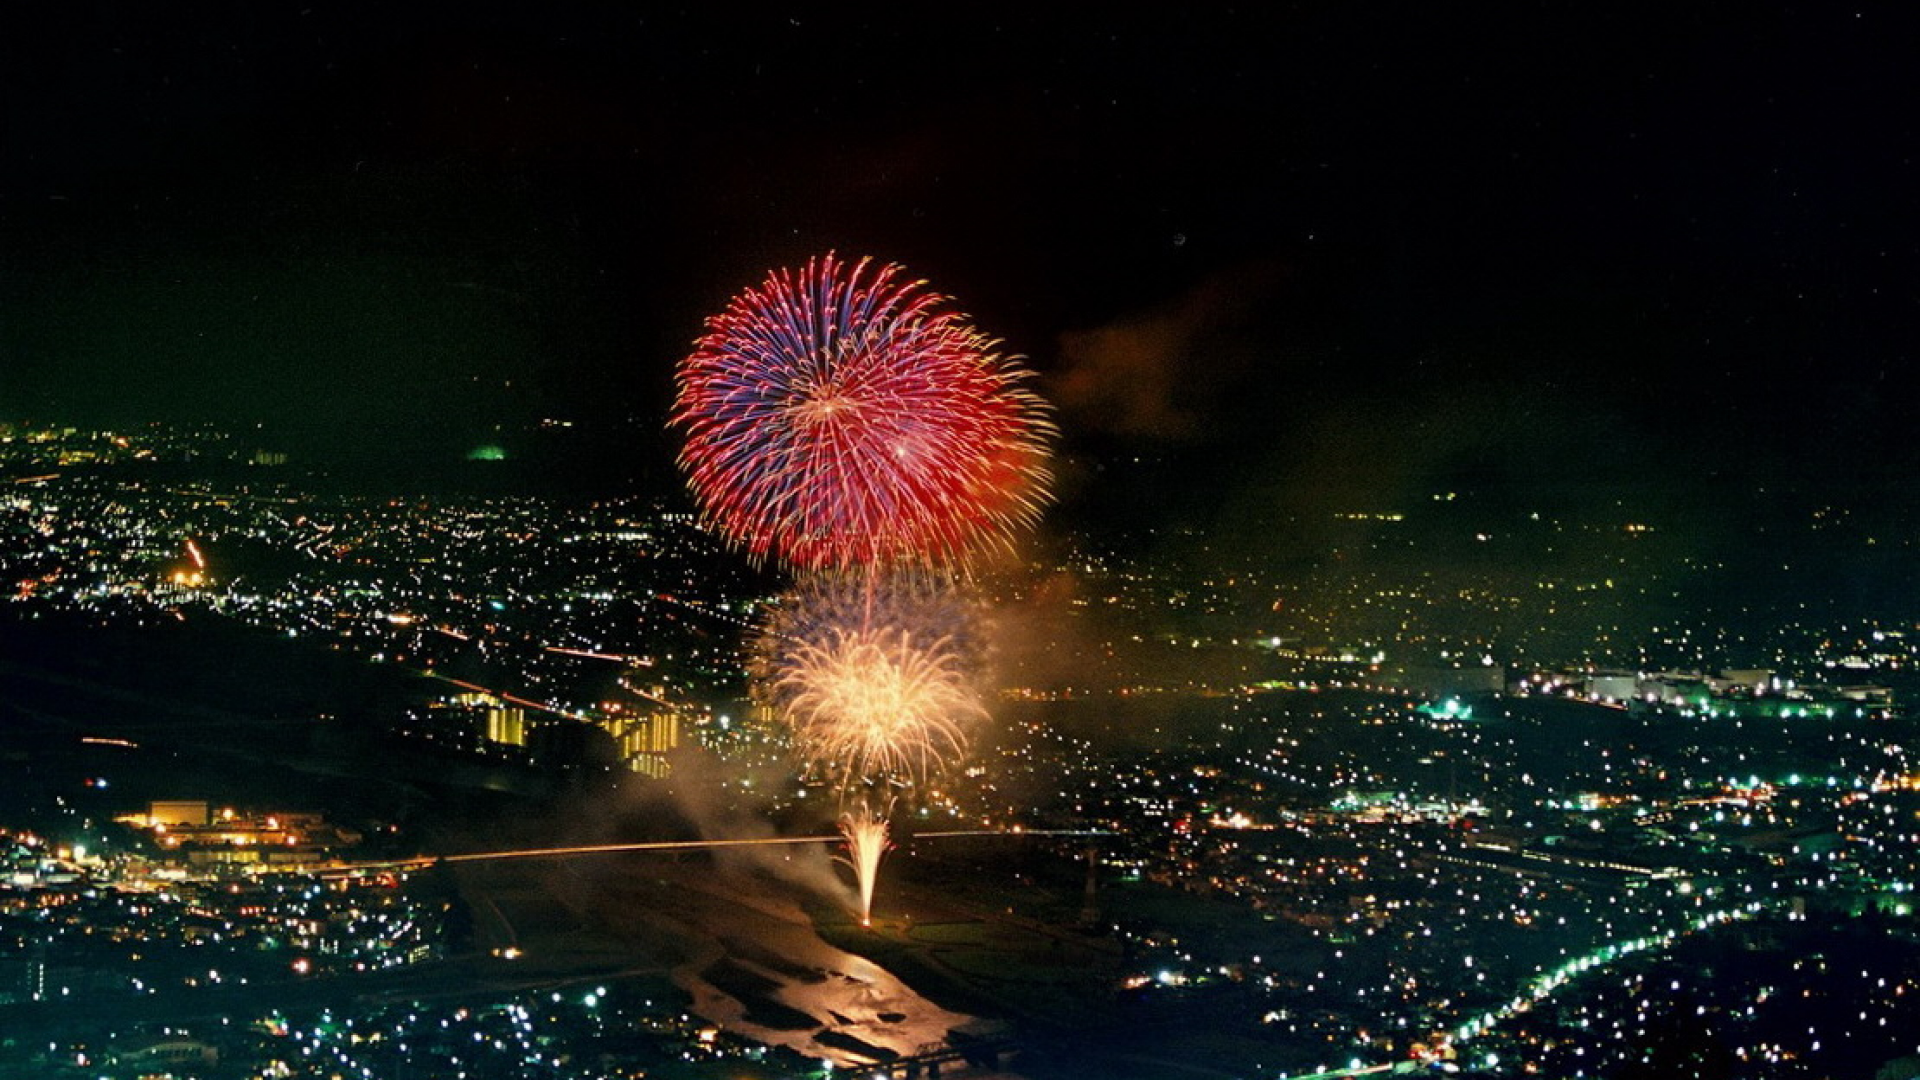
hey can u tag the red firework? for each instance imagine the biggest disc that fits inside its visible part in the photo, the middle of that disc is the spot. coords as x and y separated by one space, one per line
840 416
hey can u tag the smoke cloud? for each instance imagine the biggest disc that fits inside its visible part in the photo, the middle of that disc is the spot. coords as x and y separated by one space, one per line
708 793
1160 373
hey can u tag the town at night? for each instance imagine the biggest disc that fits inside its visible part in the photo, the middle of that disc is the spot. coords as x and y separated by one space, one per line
1261 545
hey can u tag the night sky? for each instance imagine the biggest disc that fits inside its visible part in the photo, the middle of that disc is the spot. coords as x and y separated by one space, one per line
1309 254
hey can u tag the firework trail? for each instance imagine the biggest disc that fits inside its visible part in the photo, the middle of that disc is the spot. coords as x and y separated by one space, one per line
840 416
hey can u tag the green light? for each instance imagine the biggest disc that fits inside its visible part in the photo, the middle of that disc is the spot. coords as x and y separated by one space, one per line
489 452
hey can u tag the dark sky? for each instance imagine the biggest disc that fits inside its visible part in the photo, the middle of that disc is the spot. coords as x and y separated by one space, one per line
1315 252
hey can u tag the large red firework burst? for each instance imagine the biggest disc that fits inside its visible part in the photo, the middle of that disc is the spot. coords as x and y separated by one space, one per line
840 416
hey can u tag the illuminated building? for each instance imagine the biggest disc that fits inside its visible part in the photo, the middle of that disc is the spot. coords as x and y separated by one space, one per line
176 813
501 724
1748 680
168 1053
645 739
24 978
1612 685
186 832
507 725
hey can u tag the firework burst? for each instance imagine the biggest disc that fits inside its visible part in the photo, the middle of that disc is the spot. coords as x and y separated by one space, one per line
840 416
878 705
875 601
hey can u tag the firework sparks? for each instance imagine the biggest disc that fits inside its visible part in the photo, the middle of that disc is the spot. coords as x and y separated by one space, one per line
840 416
873 601
878 704
867 836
